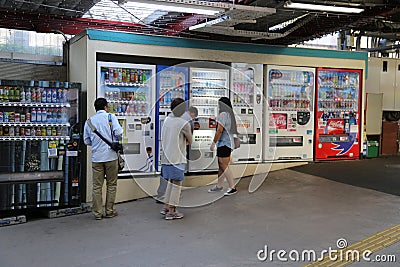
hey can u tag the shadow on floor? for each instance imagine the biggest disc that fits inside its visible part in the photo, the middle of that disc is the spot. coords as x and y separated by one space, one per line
380 174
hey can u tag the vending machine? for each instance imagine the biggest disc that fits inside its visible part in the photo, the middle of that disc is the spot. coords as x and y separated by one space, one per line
172 82
247 100
338 117
40 144
206 87
289 118
130 92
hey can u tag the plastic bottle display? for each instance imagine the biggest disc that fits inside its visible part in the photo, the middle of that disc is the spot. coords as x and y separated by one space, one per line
171 86
25 119
123 75
126 90
338 91
206 88
243 88
290 90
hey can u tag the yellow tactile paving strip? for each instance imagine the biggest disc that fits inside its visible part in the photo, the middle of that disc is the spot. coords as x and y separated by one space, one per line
372 243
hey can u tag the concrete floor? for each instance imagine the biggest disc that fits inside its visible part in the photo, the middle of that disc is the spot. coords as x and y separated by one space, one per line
290 211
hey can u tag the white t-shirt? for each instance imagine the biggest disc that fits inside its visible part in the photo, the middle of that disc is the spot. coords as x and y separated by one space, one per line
174 133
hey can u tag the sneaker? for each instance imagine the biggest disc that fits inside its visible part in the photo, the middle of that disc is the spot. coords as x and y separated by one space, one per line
215 188
112 215
164 211
173 215
98 218
230 191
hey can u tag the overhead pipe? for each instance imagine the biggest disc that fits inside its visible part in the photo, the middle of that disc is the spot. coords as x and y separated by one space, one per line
383 48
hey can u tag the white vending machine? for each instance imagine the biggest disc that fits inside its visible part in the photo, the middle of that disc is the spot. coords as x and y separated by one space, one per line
206 87
130 92
247 101
289 118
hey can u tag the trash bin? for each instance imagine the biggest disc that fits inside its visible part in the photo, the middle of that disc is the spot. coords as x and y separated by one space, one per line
372 149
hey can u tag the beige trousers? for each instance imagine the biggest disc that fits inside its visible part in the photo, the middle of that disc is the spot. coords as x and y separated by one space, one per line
109 172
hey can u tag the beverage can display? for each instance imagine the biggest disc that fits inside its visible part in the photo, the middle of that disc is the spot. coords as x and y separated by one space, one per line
115 71
38 95
6 131
33 115
5 95
44 95
60 97
11 94
65 95
59 117
54 115
11 131
39 115
33 95
64 131
23 99
49 115
48 95
17 96
106 75
44 115
11 117
53 95
111 75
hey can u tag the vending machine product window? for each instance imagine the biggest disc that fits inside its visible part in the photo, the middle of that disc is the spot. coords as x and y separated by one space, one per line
130 93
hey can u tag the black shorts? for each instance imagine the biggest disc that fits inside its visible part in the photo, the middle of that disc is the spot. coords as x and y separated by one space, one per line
224 152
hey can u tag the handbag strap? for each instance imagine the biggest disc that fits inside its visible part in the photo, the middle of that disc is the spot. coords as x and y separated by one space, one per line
89 122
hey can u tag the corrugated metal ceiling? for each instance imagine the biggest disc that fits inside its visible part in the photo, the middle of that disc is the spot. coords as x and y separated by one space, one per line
381 18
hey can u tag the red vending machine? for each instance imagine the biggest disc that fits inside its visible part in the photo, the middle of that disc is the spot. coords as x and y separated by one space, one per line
338 117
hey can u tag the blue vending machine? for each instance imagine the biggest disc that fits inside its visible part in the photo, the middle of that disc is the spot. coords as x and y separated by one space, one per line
171 82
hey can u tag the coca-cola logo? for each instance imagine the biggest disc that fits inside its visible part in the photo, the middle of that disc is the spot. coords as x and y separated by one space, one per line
278 120
336 124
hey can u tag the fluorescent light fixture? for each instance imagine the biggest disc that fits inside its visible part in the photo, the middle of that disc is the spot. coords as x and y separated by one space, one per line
209 23
174 7
323 8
